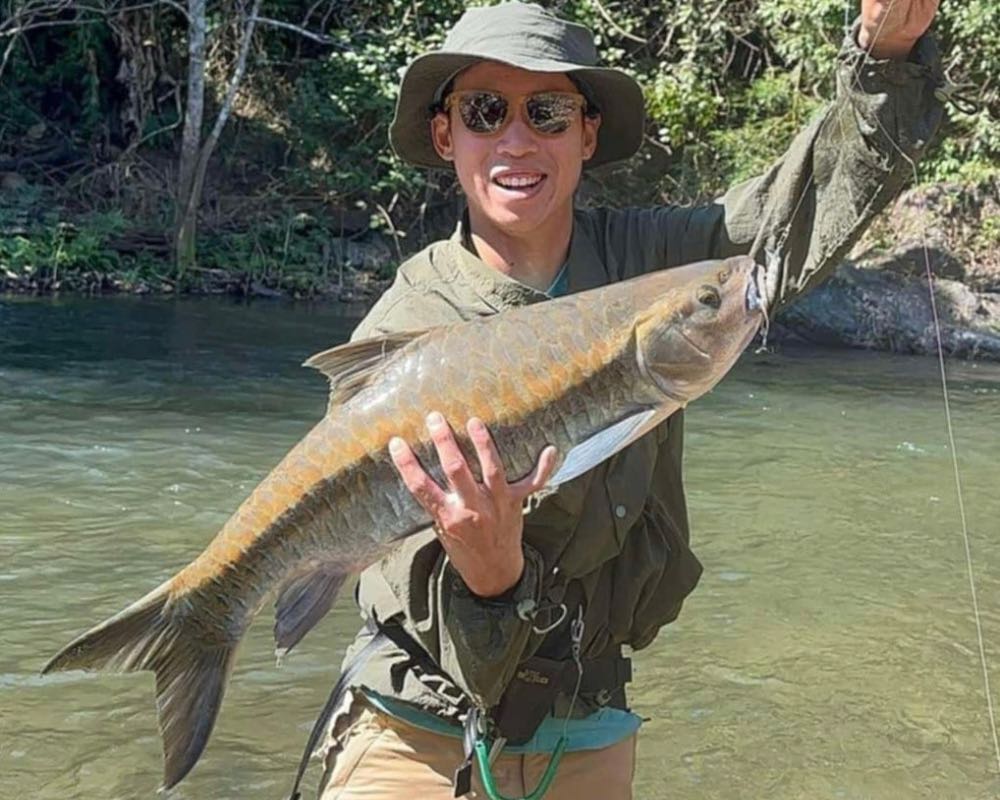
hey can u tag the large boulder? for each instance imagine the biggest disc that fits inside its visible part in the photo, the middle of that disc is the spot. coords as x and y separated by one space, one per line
884 310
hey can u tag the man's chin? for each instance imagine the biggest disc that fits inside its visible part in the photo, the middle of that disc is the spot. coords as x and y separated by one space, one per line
518 216
517 224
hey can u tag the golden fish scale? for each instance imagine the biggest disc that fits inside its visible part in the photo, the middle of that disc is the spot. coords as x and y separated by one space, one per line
503 369
557 374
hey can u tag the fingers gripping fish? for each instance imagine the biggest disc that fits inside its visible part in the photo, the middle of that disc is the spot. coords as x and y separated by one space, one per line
589 373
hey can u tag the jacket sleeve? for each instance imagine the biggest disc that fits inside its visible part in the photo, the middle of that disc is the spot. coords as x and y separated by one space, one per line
813 203
477 642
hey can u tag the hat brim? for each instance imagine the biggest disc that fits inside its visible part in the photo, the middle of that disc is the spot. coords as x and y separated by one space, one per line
615 93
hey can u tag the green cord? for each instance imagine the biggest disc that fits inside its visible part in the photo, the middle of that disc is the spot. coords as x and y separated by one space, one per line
483 753
483 757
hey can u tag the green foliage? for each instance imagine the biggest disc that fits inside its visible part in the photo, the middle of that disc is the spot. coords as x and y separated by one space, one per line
53 248
772 111
681 105
284 246
806 33
65 77
988 236
339 105
727 85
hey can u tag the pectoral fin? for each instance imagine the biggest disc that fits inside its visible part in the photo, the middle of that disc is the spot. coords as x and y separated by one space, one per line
601 446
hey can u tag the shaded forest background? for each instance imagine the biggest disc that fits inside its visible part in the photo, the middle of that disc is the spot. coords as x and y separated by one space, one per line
240 145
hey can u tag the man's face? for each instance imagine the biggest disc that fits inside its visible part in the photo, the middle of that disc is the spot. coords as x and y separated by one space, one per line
516 180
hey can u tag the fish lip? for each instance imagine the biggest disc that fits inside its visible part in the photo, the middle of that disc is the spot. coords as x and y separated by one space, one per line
694 347
753 298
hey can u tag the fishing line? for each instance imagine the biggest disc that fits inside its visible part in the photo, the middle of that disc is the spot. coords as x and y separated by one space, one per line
950 427
955 468
775 254
961 500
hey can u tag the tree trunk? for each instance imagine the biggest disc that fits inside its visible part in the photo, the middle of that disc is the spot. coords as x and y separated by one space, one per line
186 211
193 168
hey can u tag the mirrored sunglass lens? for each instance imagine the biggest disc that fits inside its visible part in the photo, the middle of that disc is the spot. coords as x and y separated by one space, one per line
483 112
551 113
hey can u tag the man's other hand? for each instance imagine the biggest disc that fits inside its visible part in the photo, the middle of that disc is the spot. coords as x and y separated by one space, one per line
890 28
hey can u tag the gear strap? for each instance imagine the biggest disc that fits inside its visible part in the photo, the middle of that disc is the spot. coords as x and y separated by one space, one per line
379 639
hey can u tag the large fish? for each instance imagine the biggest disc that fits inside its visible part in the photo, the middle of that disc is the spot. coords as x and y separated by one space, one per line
588 373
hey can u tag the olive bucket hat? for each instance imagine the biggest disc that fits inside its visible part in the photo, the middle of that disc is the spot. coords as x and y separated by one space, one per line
526 36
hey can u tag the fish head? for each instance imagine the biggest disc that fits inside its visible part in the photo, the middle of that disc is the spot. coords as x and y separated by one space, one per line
691 333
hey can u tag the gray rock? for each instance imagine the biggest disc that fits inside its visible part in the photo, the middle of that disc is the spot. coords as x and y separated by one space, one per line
885 310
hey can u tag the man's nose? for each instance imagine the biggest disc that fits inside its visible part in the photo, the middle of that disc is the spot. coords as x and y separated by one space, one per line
517 139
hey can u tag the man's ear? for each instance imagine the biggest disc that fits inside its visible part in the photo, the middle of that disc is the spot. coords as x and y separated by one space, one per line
591 125
441 136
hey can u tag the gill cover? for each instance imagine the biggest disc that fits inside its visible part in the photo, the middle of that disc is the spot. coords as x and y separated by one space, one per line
667 357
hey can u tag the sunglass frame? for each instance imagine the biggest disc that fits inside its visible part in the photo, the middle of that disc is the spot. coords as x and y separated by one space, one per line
579 104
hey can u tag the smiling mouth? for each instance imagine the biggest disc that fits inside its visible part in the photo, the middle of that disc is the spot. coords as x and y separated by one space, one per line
518 183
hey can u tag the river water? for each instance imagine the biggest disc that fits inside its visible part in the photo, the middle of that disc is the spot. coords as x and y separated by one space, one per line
830 651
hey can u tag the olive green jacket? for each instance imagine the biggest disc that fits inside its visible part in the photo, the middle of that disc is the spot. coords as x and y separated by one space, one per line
616 538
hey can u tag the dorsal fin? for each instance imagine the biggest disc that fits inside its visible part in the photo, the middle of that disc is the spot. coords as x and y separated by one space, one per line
350 366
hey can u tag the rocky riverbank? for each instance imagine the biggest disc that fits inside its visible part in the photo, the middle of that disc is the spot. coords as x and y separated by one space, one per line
879 298
879 309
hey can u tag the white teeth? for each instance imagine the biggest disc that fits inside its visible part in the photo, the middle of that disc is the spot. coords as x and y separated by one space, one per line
517 182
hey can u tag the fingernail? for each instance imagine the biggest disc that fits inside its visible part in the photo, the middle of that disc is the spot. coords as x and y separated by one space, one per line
434 420
476 425
395 444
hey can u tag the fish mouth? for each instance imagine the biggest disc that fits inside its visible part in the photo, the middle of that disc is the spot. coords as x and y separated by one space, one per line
701 353
752 297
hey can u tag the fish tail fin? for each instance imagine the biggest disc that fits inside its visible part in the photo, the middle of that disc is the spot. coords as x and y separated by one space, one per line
191 676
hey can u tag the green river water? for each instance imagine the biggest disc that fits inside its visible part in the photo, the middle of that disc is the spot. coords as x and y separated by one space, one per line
829 652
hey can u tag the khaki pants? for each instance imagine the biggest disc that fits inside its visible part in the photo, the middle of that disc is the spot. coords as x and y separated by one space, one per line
382 758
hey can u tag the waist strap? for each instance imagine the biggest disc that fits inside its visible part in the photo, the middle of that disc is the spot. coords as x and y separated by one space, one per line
538 682
526 701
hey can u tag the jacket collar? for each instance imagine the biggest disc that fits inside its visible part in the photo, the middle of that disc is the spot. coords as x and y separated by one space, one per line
499 291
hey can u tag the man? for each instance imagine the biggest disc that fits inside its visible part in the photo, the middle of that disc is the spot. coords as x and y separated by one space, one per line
488 610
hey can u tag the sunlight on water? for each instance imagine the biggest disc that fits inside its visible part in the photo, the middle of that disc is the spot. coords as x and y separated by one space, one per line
829 652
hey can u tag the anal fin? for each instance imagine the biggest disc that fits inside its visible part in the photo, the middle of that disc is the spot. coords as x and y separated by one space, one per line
304 600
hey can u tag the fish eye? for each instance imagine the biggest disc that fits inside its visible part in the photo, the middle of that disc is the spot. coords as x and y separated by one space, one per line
709 296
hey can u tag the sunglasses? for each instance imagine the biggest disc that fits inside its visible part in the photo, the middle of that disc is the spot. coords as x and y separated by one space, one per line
486 112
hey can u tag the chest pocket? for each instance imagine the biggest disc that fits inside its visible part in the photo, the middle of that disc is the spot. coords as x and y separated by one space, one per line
554 519
627 483
585 522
